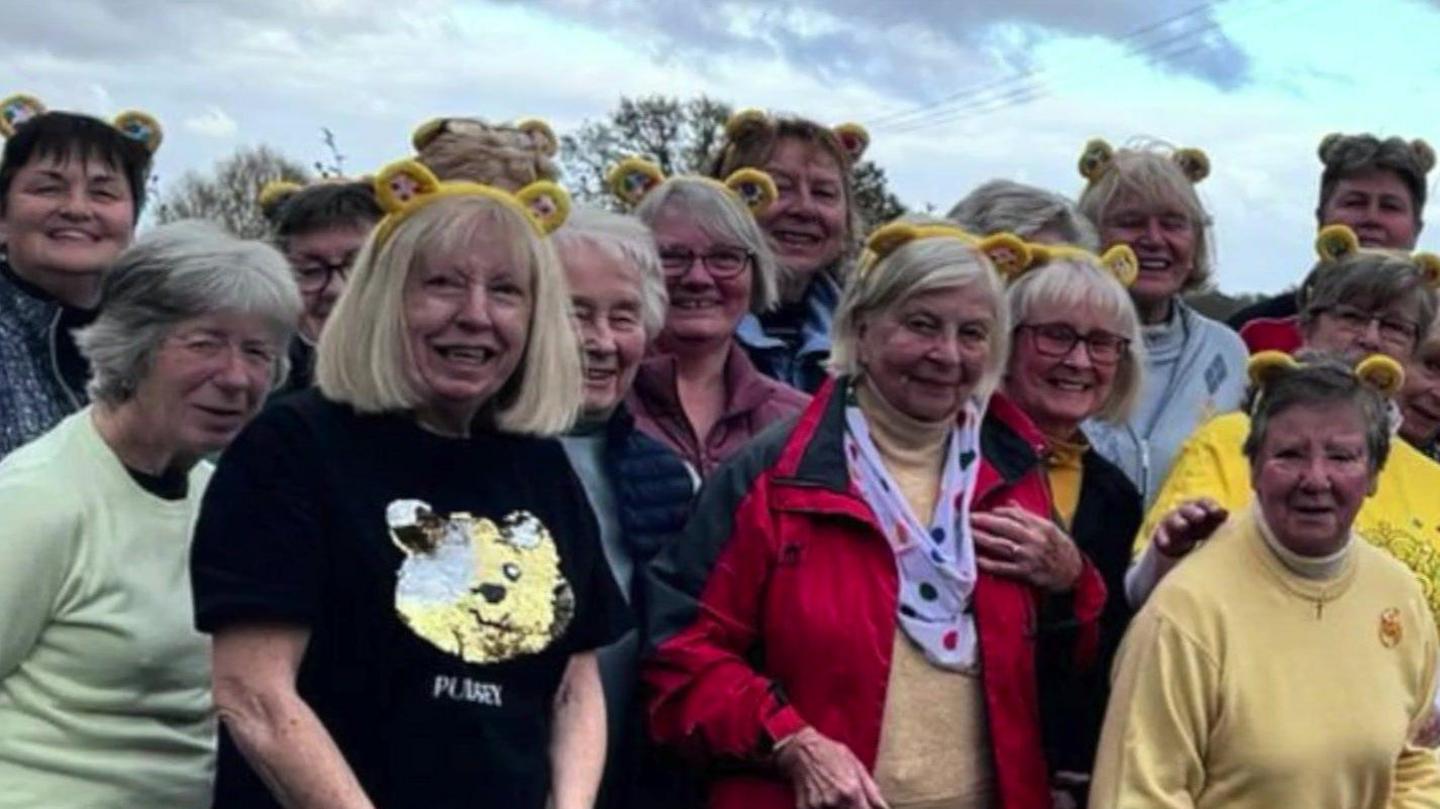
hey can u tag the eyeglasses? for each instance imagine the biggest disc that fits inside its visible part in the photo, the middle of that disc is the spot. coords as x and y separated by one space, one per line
720 262
1057 340
1352 321
315 276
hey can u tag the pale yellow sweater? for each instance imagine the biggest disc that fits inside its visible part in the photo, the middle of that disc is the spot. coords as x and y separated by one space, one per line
1245 686
934 740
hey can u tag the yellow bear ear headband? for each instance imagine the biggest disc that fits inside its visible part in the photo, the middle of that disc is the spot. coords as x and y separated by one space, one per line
539 131
853 138
404 187
1336 242
632 178
277 191
138 126
1120 261
1098 157
1008 253
1381 373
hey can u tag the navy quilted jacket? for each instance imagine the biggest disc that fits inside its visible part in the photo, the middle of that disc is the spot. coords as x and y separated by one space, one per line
42 377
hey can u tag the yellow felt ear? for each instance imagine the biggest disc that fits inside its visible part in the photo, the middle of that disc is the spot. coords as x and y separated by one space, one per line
854 139
1335 242
275 192
633 178
1008 252
755 189
1193 162
426 132
547 202
401 182
1264 365
886 239
1429 265
746 121
1095 159
1381 373
1122 263
142 127
542 133
16 110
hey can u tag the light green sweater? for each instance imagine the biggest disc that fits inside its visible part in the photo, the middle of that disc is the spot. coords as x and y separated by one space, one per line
104 682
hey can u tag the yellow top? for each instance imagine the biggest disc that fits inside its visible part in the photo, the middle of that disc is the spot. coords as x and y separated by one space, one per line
1245 686
1402 517
912 451
1063 468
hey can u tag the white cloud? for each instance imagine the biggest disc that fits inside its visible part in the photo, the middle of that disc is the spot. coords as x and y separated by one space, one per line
213 123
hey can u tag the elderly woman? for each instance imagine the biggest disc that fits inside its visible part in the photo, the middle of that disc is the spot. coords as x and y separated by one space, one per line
104 682
813 227
1145 198
1033 214
1288 662
1076 354
403 581
321 229
639 489
1358 302
828 632
1375 187
700 394
71 190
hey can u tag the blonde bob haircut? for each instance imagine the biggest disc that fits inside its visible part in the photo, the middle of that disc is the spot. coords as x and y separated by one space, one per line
720 214
364 358
1072 285
919 266
1147 174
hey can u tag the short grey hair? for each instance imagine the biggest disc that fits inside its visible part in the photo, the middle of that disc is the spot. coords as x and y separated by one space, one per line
1003 206
623 238
1075 284
918 266
1368 279
723 217
1320 379
1147 171
174 273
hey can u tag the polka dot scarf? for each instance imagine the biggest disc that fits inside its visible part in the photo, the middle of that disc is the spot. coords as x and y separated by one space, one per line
936 562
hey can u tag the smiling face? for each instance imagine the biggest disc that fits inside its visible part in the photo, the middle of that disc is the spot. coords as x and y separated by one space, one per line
1356 331
1419 400
67 217
807 223
1376 204
606 299
704 309
321 259
1059 392
467 319
1311 475
1164 238
926 354
207 379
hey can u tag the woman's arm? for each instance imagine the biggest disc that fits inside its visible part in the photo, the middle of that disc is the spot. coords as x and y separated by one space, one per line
1176 534
577 745
255 696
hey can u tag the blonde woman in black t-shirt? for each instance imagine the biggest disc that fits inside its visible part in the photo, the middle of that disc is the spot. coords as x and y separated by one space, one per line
402 576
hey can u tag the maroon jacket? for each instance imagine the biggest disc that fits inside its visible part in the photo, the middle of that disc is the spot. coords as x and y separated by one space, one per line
753 402
776 609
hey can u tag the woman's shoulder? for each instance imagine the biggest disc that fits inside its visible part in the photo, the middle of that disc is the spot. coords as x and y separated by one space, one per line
1223 338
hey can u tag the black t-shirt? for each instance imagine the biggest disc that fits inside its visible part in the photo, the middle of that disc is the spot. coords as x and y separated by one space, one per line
438 640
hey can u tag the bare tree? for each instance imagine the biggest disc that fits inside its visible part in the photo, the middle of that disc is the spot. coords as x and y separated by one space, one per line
228 195
680 137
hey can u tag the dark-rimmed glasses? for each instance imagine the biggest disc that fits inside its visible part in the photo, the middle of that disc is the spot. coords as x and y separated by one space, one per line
1057 340
720 262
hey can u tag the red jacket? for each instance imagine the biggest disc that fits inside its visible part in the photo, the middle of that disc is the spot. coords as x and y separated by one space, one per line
1272 334
777 609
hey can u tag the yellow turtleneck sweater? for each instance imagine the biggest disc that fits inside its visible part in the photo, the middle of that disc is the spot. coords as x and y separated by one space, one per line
1255 679
934 739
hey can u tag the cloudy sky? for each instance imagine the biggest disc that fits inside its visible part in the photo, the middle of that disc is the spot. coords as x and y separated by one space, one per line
954 92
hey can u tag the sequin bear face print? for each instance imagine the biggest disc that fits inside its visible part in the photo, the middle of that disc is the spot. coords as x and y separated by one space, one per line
481 591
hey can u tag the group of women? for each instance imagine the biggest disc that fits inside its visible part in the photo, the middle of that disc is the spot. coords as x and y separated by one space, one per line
456 493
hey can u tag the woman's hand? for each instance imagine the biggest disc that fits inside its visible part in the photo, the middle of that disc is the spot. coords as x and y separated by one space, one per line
1016 544
825 774
1187 525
